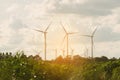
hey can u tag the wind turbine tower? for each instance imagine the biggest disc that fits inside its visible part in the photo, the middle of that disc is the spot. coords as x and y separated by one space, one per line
56 54
72 53
63 52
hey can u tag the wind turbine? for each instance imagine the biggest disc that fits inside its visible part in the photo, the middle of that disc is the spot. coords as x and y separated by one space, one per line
36 51
45 37
92 41
56 52
67 37
72 53
63 52
86 52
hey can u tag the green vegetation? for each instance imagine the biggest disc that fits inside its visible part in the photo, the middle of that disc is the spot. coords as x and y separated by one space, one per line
21 67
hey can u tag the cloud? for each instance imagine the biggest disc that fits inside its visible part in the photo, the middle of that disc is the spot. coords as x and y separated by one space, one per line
106 34
109 49
17 24
88 8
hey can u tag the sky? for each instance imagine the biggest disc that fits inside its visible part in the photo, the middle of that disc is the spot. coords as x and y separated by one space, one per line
18 18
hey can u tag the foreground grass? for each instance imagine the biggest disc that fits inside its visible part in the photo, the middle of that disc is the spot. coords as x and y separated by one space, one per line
21 67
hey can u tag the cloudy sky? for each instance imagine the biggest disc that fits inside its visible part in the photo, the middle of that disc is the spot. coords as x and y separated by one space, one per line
19 17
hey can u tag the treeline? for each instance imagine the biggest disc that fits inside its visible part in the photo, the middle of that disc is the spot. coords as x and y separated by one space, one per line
22 67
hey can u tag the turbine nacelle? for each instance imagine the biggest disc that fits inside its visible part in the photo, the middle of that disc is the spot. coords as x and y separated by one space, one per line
45 31
72 32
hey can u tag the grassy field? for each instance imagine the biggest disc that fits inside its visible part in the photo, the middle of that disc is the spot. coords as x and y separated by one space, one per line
21 67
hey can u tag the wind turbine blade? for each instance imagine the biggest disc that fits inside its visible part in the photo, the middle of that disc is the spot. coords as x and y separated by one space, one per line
38 30
86 35
94 31
73 33
63 27
48 26
63 40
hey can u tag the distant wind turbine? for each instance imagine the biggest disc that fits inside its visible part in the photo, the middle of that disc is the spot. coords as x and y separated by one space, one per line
86 52
56 52
36 51
45 37
72 53
67 37
63 52
92 41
